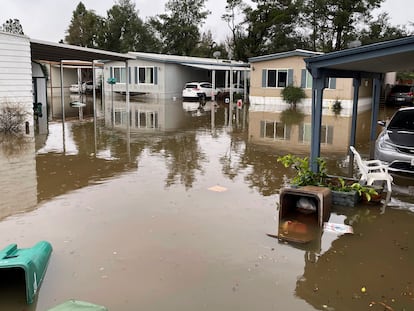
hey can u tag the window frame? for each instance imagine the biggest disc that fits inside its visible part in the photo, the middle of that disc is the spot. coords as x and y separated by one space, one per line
276 76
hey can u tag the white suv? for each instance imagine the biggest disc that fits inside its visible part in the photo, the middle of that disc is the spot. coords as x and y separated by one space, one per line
195 90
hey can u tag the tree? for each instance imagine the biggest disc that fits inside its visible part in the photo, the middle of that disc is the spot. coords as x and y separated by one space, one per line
272 26
234 9
13 26
334 22
207 46
178 29
380 30
85 28
125 31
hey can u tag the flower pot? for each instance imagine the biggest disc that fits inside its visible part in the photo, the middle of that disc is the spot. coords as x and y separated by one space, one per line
345 198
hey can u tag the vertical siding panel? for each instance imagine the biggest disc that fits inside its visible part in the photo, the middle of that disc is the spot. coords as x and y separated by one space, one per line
16 72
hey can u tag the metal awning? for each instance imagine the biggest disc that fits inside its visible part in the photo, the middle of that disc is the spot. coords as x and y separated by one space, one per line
369 61
234 66
382 57
57 52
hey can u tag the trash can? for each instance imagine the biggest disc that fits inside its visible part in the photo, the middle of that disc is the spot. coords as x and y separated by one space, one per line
302 212
32 261
76 305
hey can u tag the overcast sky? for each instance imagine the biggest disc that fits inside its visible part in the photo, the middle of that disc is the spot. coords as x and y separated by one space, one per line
49 19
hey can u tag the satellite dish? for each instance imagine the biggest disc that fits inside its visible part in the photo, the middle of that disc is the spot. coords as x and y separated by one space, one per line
216 54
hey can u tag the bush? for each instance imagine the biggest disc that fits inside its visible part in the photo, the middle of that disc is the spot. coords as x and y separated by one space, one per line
293 94
12 118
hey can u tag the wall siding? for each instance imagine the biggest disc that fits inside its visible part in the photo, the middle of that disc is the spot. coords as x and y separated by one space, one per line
16 72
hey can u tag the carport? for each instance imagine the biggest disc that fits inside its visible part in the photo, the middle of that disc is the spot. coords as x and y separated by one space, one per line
67 55
363 62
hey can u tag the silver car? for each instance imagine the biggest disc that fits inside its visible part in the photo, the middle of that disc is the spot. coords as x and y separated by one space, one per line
395 144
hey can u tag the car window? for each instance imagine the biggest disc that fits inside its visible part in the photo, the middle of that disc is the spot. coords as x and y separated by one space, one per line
400 89
402 120
206 85
191 86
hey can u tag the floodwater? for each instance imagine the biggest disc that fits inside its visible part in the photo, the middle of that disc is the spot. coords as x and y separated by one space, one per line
172 212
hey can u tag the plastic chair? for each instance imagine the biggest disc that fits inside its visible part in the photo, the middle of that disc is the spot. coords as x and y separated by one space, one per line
372 171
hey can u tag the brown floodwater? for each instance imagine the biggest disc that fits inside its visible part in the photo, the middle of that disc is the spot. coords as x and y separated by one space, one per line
172 212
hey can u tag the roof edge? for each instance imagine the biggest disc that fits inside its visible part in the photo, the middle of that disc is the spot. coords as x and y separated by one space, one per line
297 52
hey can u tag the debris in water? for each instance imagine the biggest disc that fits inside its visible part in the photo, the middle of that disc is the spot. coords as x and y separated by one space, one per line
337 228
217 188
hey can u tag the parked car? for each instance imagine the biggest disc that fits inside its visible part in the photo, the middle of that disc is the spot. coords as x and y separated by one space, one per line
75 88
395 144
237 88
85 87
401 95
88 86
197 90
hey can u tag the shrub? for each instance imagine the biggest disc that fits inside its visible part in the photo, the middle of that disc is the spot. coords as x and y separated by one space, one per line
293 94
12 118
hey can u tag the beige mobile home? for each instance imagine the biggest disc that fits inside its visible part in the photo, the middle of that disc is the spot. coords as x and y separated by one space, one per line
271 73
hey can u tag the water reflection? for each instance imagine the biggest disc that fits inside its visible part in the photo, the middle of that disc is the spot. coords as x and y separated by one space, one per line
122 202
290 129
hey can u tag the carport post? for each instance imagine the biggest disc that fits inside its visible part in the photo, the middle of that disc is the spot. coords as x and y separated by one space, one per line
356 84
317 98
94 103
374 114
375 107
128 107
61 92
231 98
245 85
213 83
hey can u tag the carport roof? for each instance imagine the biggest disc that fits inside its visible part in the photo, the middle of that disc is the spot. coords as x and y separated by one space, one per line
394 55
56 52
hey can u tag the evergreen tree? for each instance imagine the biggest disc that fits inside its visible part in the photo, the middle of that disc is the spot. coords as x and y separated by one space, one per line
333 23
125 31
272 26
178 29
85 28
13 26
381 30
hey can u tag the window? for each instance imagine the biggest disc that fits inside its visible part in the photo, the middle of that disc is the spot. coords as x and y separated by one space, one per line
146 75
119 74
305 133
306 81
277 77
146 119
274 130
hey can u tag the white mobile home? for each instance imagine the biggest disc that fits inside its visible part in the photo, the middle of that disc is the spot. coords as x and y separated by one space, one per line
164 76
16 74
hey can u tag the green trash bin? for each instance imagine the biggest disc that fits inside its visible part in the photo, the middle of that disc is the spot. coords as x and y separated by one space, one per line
32 260
76 305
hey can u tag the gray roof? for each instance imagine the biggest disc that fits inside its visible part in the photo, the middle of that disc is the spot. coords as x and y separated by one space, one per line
188 60
56 52
297 52
388 56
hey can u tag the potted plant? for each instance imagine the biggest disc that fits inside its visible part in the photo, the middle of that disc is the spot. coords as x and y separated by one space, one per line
348 193
344 192
304 175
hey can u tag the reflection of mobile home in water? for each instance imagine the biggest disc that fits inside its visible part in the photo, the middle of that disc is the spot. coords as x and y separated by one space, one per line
144 116
291 129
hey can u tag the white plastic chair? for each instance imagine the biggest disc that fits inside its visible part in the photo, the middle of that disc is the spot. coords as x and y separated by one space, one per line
373 170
